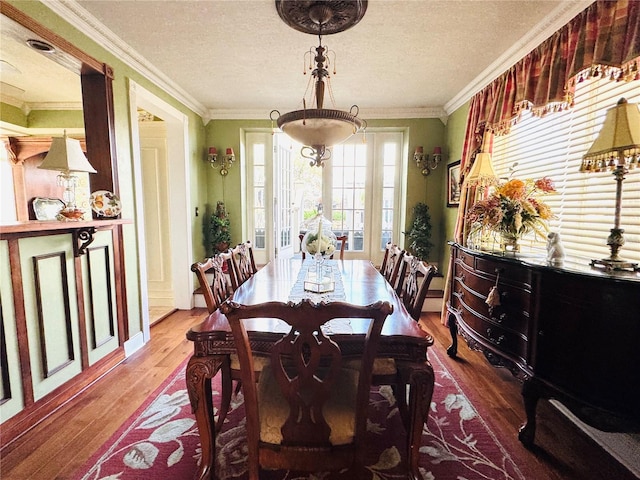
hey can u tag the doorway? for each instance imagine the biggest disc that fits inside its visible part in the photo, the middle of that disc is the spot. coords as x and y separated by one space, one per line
178 245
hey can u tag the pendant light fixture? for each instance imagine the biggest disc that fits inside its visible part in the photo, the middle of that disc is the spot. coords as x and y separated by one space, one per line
319 128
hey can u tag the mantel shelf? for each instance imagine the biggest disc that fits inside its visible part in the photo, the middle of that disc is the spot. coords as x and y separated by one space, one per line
52 227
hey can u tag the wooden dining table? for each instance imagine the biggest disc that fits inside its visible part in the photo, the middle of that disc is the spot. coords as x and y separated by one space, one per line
357 282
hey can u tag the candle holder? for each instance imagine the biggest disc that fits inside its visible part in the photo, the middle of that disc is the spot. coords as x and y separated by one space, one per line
426 163
223 163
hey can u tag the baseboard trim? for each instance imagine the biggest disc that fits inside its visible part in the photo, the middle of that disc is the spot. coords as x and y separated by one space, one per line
134 344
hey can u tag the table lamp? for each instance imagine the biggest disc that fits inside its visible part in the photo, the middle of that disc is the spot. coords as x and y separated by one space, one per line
617 149
65 156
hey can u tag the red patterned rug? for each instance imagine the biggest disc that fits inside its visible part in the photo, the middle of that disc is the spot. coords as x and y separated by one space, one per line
160 441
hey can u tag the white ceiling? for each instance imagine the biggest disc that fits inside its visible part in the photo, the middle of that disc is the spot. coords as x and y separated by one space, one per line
238 59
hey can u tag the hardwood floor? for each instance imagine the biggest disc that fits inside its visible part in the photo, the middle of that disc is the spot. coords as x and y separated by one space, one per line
60 445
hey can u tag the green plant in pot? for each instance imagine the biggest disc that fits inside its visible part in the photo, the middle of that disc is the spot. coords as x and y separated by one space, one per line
220 229
419 232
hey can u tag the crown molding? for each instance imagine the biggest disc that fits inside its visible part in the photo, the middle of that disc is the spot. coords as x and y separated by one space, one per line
557 19
12 130
89 25
372 113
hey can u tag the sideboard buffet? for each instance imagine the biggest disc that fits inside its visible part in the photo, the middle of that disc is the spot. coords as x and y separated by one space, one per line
570 332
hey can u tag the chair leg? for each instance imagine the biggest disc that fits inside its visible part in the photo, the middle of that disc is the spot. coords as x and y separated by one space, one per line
225 396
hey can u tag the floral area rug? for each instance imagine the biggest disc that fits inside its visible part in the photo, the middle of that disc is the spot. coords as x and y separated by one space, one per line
160 441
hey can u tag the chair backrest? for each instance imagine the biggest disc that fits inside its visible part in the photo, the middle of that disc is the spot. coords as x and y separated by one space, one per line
393 260
306 374
342 239
221 285
244 265
414 279
343 243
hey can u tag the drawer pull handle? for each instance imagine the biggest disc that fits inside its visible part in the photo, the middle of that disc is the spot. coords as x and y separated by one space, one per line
501 318
462 278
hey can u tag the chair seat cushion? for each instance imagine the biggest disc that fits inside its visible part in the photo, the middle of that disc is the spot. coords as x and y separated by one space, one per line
381 366
339 411
258 362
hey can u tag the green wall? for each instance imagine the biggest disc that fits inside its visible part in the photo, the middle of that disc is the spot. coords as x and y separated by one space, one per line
456 126
55 118
13 115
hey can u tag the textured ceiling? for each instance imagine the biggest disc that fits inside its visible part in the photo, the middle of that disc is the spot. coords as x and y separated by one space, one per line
403 56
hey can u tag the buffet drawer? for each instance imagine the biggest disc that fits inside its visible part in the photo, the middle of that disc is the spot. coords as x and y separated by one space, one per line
502 339
514 301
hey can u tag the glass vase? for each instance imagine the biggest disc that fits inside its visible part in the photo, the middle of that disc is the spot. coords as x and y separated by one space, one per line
510 243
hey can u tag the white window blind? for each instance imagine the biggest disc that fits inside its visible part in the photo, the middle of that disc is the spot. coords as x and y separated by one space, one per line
553 146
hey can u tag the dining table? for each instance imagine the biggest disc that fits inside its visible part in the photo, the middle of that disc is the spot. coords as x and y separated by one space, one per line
354 281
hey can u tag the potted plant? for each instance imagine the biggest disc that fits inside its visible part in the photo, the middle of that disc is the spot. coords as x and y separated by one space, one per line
219 229
420 232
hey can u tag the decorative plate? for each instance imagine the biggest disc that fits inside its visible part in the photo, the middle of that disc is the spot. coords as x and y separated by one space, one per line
105 204
47 208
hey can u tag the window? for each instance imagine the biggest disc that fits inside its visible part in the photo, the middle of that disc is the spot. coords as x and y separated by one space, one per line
553 146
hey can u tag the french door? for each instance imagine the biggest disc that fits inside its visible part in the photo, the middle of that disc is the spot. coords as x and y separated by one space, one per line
359 189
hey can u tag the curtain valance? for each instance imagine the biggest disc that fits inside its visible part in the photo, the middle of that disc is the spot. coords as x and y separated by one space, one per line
604 39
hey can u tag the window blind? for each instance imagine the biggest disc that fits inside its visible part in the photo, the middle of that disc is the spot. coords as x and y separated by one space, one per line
553 146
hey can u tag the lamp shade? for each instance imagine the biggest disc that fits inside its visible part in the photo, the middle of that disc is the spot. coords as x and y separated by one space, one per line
65 155
618 139
481 172
319 126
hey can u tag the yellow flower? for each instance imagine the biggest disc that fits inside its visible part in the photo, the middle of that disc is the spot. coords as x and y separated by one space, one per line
512 189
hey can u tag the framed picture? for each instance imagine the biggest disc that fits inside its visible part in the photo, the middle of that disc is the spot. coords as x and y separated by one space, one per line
453 184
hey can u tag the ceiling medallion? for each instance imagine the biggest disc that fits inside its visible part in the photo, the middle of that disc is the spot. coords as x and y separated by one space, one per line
318 128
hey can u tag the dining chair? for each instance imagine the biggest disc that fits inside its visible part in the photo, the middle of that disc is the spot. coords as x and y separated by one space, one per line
391 264
306 412
413 283
343 243
341 238
220 287
244 265
215 293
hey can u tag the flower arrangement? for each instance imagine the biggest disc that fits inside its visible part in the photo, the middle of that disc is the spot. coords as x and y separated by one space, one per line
513 209
320 241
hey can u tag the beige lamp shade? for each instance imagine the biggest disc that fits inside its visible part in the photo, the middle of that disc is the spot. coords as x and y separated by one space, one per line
618 141
481 172
65 155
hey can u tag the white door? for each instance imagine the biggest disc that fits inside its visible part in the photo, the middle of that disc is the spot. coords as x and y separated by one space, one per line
155 188
283 203
270 196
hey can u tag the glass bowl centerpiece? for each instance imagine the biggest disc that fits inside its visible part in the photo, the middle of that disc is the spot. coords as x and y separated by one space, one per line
319 242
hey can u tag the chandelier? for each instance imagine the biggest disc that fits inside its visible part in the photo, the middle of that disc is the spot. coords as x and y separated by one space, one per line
319 128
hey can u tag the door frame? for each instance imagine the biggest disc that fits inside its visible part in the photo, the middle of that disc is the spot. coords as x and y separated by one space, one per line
179 199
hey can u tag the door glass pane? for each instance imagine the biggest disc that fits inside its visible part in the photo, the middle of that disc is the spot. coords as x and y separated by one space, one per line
259 207
388 192
349 171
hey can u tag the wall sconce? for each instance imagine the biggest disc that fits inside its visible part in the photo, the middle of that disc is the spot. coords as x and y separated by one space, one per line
424 162
223 164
